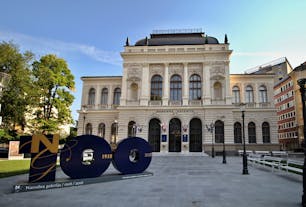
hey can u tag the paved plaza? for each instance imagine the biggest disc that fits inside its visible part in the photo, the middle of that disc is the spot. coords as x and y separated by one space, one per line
177 181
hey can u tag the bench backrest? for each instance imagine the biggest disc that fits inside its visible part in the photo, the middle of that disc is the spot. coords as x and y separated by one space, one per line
240 152
295 162
279 153
263 152
275 159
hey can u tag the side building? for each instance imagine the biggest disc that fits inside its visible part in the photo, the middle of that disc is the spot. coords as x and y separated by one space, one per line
175 86
287 100
296 74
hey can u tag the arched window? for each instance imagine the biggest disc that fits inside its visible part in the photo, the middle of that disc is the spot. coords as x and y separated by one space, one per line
91 96
88 129
236 94
219 131
249 96
237 133
218 90
156 87
263 98
101 130
195 87
114 132
132 129
252 132
104 96
176 88
117 94
266 132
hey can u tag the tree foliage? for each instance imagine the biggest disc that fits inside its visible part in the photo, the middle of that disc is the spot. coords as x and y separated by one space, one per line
15 97
37 93
53 83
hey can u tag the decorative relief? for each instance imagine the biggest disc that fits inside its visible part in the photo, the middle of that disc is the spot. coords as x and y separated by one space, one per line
176 68
132 65
133 79
195 66
217 70
156 69
134 72
217 77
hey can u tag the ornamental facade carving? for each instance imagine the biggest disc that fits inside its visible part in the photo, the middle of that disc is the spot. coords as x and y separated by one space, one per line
176 68
134 72
195 68
217 70
156 69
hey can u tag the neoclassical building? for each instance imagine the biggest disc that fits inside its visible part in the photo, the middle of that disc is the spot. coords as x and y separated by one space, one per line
175 86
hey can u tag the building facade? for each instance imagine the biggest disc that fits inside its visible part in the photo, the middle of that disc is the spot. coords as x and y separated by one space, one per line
175 87
286 112
296 74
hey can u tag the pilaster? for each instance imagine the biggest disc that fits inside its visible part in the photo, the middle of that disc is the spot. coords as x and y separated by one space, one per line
166 85
144 98
185 85
124 87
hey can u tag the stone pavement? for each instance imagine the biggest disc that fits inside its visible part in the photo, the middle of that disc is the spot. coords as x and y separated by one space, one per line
177 181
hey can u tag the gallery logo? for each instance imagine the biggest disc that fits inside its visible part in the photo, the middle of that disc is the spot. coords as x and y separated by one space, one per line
132 155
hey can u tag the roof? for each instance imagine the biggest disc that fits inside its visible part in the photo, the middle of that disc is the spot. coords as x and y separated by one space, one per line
267 67
159 39
300 67
97 77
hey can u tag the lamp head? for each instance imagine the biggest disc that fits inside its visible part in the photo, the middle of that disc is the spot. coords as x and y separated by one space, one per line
84 108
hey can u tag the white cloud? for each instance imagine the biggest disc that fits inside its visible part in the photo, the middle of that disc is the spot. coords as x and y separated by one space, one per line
42 46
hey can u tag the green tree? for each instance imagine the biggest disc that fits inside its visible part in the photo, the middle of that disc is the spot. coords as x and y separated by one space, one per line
17 87
53 83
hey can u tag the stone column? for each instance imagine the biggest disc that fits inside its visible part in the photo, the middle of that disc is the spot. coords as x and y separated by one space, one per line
124 87
144 85
166 85
206 84
110 96
228 95
185 85
98 100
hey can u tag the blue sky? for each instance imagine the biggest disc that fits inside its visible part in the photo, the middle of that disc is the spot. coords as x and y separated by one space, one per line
90 34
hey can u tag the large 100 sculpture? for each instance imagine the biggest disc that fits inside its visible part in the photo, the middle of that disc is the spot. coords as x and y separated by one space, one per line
132 155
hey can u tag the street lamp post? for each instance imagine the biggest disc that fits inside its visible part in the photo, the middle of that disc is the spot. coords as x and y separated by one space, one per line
210 128
116 133
301 83
244 156
224 153
84 111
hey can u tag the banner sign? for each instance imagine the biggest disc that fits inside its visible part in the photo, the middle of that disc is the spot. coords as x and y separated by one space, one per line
13 151
133 155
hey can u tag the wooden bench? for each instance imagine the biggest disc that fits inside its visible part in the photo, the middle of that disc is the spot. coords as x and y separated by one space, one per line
279 154
263 153
254 158
273 162
240 152
291 165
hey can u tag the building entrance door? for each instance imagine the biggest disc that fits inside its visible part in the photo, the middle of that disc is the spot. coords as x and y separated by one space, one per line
175 135
154 135
195 133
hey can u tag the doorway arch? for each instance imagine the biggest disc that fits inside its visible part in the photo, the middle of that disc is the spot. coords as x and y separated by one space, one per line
195 133
154 134
175 135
